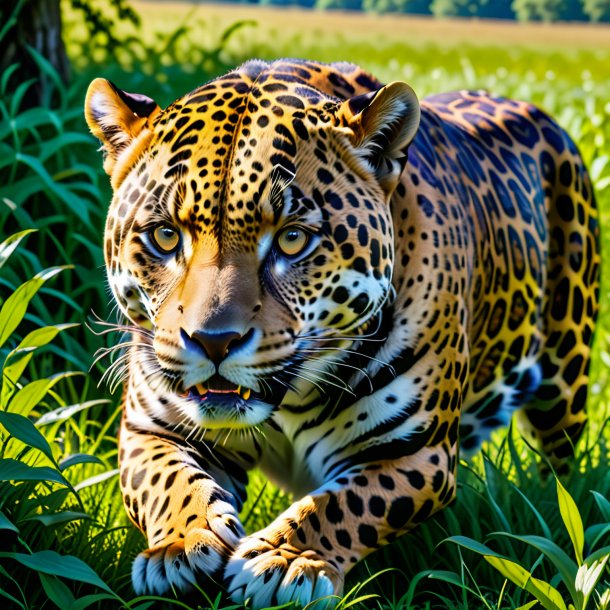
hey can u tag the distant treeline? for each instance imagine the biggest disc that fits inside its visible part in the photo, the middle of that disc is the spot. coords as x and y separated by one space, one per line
520 10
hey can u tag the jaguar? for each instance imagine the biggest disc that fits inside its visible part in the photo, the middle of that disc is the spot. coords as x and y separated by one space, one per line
342 286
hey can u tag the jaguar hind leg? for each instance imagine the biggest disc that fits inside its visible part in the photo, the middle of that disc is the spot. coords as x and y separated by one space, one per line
555 416
554 419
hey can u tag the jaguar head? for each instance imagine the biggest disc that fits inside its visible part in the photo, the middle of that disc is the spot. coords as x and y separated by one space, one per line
249 232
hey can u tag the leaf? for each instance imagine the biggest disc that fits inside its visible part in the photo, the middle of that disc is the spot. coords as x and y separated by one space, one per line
100 478
23 429
65 195
14 470
63 413
595 533
472 545
66 566
8 596
353 602
143 606
89 600
572 520
564 565
599 554
18 359
36 117
547 595
78 458
56 591
57 518
6 524
510 569
603 505
545 528
528 605
447 576
30 395
15 306
7 247
47 68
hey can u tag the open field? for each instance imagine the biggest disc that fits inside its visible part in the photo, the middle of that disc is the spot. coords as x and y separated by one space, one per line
410 29
51 180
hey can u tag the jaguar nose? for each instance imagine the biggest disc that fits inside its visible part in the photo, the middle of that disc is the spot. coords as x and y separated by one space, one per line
216 345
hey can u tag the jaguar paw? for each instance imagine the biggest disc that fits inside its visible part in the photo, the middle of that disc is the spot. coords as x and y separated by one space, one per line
185 562
270 576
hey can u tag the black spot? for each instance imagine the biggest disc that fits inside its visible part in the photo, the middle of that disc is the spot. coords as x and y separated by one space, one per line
367 535
377 506
386 481
572 370
400 512
344 539
290 100
138 478
565 173
170 480
355 503
424 512
340 295
333 513
415 478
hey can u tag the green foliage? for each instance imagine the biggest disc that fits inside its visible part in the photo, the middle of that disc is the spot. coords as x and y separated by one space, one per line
65 536
413 7
38 501
537 10
597 10
101 24
496 9
522 10
580 578
549 10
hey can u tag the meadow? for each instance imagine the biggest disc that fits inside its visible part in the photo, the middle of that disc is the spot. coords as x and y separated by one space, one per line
511 540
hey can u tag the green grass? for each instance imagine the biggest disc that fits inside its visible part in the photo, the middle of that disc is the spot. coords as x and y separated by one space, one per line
58 486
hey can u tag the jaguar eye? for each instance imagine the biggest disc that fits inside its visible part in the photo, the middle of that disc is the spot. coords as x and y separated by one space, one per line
165 239
292 241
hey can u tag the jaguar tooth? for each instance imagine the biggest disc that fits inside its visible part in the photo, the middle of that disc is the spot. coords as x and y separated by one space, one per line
246 393
201 389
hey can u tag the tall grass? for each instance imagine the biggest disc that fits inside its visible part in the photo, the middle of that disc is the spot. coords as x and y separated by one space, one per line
64 537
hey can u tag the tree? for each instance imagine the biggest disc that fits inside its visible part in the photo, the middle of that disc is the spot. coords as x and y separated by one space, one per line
597 10
350 5
537 10
491 9
413 7
33 28
572 10
36 25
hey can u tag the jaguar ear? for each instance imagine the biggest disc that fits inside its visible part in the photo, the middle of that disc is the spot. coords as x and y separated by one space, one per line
381 125
116 117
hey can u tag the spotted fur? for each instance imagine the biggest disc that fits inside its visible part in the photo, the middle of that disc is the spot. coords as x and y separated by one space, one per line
449 278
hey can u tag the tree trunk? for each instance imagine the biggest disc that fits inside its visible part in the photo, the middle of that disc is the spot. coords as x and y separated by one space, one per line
37 24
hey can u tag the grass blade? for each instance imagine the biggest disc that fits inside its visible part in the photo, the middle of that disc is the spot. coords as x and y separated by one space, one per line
572 520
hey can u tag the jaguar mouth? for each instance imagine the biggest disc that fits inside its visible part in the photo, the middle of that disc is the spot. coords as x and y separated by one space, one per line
217 386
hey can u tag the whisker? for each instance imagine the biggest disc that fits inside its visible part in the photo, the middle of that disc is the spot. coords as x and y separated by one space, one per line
350 351
322 371
311 374
355 368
